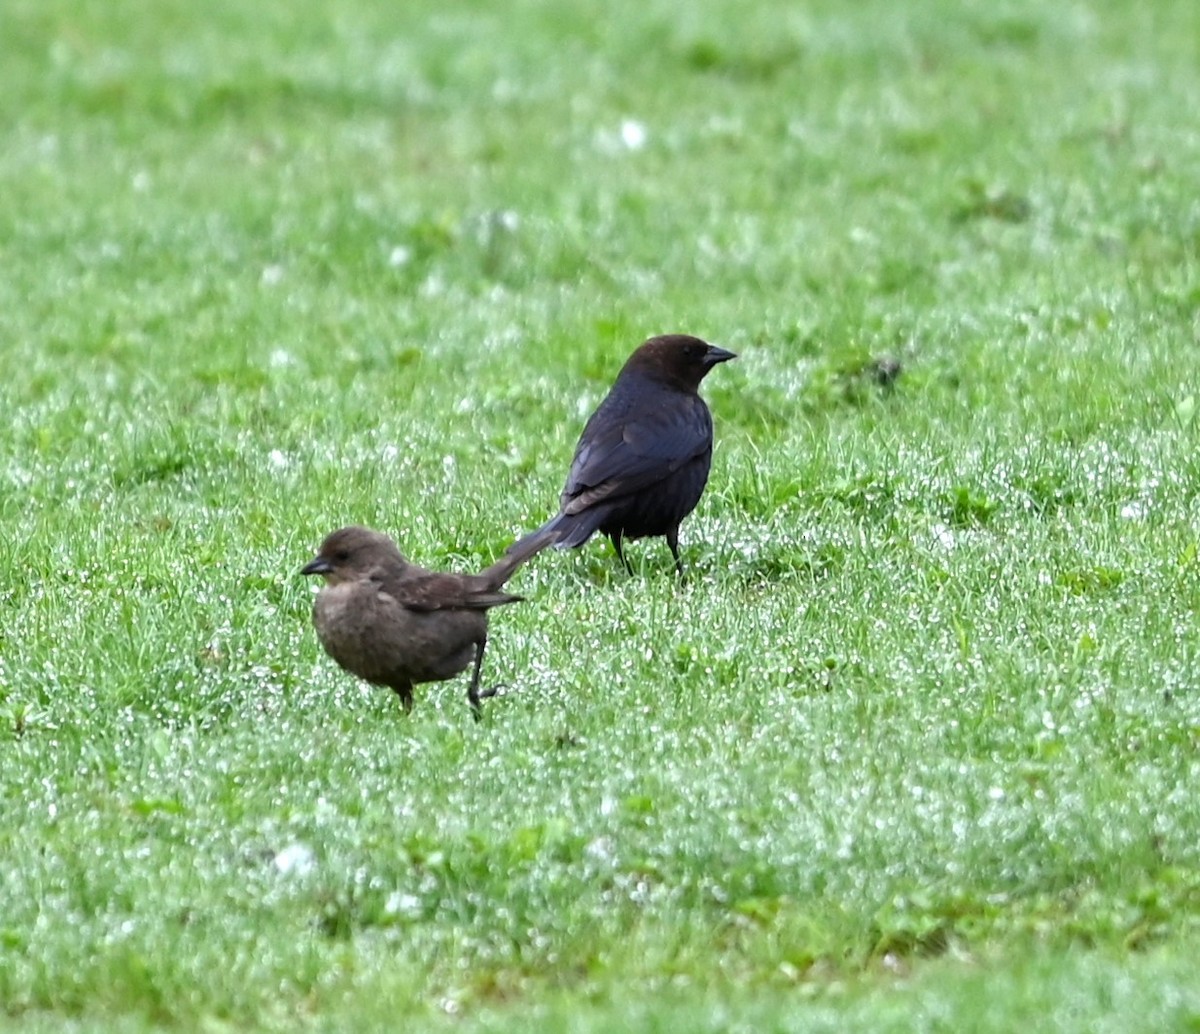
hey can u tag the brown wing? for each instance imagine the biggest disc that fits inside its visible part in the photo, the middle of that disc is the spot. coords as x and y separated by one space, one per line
422 590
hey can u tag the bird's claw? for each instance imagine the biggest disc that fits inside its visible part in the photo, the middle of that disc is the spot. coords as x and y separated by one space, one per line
475 699
492 691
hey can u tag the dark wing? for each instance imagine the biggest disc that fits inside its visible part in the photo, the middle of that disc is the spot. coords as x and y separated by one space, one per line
627 448
421 590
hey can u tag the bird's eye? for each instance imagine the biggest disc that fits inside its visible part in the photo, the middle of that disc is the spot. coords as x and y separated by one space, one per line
341 556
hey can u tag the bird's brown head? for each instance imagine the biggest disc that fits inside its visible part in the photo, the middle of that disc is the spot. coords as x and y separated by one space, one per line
350 553
679 359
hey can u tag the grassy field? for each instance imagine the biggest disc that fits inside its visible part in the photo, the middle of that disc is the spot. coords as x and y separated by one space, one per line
915 747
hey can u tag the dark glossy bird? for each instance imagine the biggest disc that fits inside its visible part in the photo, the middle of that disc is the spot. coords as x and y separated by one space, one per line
643 459
396 624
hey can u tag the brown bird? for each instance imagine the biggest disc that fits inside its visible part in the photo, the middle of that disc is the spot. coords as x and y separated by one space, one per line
396 624
643 459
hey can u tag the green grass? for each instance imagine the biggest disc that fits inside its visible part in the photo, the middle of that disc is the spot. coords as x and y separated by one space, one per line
917 745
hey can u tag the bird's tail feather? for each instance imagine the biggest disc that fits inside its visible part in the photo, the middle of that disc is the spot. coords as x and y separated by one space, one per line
564 530
520 551
575 529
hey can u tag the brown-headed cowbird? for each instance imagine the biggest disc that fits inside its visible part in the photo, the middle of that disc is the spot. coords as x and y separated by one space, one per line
643 459
396 624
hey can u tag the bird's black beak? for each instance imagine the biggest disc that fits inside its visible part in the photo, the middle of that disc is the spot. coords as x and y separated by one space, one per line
317 565
718 355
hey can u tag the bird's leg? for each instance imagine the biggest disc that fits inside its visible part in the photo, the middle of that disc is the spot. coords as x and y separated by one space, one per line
473 694
406 698
673 542
616 541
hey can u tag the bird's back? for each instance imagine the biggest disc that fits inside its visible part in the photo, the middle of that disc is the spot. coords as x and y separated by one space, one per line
642 432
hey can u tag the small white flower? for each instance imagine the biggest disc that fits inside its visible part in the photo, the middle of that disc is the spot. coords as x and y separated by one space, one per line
399 256
944 536
600 850
402 904
272 274
633 134
296 859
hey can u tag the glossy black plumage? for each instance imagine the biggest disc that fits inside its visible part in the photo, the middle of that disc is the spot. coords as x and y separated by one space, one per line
643 459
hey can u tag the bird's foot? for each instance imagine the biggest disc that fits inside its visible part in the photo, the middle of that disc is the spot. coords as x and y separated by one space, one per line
475 699
492 691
